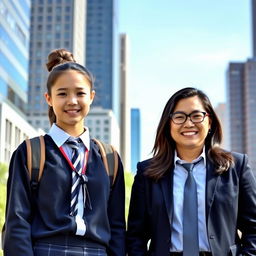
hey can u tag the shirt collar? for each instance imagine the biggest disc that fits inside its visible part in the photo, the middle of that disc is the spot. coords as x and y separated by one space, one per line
59 136
201 156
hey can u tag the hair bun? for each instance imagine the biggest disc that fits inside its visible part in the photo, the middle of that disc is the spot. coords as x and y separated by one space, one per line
57 57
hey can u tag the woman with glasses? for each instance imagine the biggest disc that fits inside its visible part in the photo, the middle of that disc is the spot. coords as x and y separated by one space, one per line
192 198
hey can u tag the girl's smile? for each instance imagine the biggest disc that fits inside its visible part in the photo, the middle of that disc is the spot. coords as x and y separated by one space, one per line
71 97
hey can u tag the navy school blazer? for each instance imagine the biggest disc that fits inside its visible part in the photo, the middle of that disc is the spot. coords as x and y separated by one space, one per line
230 205
27 222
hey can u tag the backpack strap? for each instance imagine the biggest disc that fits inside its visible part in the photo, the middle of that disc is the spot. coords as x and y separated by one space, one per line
109 158
35 159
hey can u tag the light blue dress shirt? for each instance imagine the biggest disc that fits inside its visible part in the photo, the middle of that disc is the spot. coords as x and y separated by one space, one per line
179 179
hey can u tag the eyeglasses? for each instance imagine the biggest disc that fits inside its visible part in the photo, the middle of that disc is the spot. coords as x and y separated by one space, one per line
195 117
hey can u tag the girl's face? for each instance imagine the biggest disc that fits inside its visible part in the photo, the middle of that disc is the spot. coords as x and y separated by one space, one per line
71 97
189 135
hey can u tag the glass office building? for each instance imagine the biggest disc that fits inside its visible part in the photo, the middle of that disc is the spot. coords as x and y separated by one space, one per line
14 45
14 51
135 138
101 53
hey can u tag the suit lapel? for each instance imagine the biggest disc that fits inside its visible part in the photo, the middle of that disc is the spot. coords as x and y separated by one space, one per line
211 183
166 186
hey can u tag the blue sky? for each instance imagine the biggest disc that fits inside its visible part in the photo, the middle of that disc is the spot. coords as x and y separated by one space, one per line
178 43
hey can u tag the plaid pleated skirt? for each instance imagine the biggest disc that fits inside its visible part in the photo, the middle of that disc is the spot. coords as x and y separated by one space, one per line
47 249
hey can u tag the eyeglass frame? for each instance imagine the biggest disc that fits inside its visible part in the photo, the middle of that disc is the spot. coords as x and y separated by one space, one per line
189 115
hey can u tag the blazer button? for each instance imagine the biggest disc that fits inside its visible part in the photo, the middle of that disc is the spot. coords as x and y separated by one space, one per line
211 236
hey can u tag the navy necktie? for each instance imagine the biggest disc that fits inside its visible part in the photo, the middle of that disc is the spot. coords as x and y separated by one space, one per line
190 214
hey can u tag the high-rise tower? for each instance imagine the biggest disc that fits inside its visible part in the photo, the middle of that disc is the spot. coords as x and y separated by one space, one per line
54 24
14 45
125 120
235 106
135 138
101 52
14 51
241 92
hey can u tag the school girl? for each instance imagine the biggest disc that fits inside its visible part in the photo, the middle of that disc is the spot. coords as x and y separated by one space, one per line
75 210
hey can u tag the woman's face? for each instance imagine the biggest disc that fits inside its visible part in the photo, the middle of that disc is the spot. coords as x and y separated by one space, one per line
189 135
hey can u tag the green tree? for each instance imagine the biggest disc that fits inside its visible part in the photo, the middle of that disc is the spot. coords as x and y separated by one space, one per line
128 176
3 178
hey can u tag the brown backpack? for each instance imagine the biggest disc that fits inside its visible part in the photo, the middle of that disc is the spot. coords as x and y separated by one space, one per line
36 159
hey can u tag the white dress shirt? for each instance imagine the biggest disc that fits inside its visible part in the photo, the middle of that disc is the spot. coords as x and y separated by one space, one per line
179 179
59 136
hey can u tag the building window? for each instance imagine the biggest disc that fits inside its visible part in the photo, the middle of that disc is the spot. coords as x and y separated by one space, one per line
57 27
58 18
40 18
40 9
57 35
17 136
8 136
48 44
58 10
57 44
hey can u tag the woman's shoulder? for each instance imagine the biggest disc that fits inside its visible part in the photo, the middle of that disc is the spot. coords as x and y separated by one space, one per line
237 155
143 165
239 158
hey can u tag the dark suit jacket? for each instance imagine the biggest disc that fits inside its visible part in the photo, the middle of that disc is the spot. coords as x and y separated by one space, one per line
230 205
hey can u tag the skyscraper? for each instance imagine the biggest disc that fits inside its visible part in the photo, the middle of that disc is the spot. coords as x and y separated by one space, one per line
101 53
125 127
241 91
235 106
135 138
14 45
54 24
249 110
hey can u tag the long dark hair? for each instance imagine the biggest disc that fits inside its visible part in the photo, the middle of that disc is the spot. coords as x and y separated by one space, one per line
59 61
164 146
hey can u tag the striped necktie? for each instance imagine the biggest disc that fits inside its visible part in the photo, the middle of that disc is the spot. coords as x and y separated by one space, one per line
77 178
190 214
